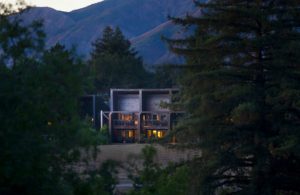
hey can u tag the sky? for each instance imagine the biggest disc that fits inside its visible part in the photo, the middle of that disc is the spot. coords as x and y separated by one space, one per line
62 5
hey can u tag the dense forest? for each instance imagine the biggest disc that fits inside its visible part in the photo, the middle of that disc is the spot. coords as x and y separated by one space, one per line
239 86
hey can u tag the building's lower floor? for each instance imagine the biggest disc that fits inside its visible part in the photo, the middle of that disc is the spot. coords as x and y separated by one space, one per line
132 135
131 127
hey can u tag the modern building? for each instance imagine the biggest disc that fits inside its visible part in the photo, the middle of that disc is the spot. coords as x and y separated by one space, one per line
139 114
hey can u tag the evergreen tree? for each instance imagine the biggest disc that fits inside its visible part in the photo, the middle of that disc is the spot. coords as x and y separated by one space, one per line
166 76
40 132
40 129
115 63
16 39
241 90
112 42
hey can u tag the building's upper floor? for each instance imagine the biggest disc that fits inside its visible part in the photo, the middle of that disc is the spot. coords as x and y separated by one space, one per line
141 100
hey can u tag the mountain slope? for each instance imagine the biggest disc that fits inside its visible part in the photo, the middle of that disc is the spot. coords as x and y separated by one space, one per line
142 21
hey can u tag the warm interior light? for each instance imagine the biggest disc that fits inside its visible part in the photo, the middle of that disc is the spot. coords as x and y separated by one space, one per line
126 117
130 133
49 123
159 134
149 133
154 132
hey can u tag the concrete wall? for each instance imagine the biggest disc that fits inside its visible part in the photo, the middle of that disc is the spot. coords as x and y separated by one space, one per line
135 100
128 102
153 102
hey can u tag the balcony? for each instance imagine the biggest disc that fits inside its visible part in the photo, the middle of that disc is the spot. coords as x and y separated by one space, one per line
155 124
124 124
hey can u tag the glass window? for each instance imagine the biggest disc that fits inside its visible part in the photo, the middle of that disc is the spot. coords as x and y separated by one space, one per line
130 133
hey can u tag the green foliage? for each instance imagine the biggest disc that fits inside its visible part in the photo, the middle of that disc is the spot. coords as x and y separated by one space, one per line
98 182
174 180
144 178
90 136
166 76
104 135
41 135
16 39
152 179
39 122
115 64
112 42
241 91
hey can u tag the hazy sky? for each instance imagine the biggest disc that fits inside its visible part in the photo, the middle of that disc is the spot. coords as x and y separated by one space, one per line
63 5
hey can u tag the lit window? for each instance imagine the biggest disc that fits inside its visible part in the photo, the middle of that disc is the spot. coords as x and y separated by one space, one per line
125 117
159 134
154 133
130 133
149 133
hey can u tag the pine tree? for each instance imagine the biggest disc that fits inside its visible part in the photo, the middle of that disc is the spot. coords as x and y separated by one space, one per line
241 89
40 131
115 63
17 39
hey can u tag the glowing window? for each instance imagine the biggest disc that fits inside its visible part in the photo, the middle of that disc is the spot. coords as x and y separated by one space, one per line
154 133
159 134
125 117
149 133
130 133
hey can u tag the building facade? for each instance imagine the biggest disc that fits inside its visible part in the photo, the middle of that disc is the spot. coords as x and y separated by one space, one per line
139 114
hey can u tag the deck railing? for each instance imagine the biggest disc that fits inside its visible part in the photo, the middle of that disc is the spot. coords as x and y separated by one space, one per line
155 123
117 123
124 123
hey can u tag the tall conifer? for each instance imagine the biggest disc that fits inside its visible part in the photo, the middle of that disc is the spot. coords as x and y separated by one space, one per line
115 62
241 90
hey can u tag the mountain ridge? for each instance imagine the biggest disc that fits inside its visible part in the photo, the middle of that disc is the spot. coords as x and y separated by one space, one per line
142 21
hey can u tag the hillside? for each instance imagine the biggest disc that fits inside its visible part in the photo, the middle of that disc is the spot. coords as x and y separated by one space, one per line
142 21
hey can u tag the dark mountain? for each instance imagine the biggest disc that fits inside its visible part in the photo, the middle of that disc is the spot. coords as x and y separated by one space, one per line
142 21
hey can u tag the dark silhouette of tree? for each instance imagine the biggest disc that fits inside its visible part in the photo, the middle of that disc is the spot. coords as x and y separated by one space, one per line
40 134
16 39
241 90
115 63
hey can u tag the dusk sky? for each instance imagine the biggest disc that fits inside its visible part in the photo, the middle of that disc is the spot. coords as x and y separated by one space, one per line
63 5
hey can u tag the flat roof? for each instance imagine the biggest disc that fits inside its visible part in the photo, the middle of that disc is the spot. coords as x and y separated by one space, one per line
144 89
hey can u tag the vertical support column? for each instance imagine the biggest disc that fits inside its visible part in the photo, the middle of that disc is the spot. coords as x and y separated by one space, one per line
101 119
172 118
138 133
94 111
169 121
110 114
140 100
111 100
110 126
170 113
170 96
